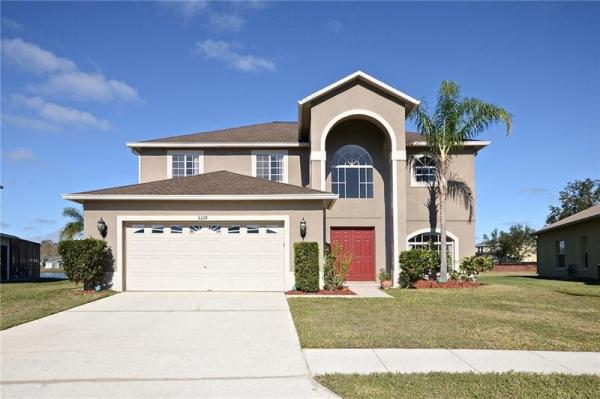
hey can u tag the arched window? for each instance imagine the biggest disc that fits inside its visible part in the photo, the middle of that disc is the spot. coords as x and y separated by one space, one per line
352 172
423 169
423 241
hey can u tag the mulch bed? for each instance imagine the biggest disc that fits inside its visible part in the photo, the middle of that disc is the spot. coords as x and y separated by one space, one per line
343 291
447 284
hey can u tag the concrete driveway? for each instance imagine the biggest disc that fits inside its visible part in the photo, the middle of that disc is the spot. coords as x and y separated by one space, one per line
151 344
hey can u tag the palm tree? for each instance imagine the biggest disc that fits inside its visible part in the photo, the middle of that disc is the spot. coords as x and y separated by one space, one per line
74 227
453 121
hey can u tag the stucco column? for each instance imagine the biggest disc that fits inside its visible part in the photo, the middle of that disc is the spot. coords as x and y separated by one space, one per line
398 166
317 170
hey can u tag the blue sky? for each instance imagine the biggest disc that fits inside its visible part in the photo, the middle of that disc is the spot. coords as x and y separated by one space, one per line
81 79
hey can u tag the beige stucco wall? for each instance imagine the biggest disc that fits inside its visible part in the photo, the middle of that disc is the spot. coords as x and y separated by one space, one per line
310 210
546 255
460 221
153 162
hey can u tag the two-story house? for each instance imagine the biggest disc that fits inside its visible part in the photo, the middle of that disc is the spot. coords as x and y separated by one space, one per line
221 210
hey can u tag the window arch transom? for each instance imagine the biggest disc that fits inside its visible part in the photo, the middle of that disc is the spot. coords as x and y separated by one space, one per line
352 172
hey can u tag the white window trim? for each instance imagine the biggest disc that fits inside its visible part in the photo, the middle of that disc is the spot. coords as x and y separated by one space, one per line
413 179
269 152
170 154
456 255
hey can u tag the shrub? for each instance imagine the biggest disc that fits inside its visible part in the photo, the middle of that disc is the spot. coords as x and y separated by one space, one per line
383 275
84 260
337 266
471 266
306 260
415 263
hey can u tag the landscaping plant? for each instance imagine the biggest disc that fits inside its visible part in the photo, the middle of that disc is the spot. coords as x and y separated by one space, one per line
453 121
306 261
337 266
471 266
84 261
416 263
384 279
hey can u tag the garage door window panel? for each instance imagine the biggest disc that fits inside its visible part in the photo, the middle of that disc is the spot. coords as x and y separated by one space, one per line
157 228
138 228
176 229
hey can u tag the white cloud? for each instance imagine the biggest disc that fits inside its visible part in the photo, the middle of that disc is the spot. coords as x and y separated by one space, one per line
334 26
44 221
186 9
59 115
224 52
11 25
29 123
32 58
225 22
86 86
19 154
65 78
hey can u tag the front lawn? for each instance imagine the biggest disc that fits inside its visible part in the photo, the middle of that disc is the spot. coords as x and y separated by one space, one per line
507 312
467 385
23 302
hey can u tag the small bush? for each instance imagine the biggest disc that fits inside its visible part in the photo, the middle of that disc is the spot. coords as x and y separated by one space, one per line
415 263
337 266
383 275
306 270
84 261
471 266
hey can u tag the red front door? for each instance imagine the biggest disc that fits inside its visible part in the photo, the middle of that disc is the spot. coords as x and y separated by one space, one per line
360 242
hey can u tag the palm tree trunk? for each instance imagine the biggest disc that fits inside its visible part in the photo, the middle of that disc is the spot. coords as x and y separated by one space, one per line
443 250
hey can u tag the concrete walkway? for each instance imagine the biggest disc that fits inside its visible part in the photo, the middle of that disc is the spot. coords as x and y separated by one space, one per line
160 345
367 361
367 289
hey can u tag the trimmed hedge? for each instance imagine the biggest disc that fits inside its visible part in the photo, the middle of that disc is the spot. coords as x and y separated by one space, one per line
84 261
306 260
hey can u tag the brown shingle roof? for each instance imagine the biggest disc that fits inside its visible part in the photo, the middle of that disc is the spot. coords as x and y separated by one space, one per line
272 132
586 214
213 183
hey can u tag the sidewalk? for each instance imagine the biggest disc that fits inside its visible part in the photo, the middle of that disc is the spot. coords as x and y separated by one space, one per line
366 361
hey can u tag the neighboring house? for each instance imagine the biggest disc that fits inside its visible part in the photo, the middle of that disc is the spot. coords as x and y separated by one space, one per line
570 248
53 263
19 259
482 249
221 210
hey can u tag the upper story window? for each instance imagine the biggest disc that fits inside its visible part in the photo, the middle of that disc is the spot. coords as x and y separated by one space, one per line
423 170
352 172
270 165
184 163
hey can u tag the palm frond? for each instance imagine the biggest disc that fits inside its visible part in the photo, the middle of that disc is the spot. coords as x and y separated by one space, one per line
73 213
459 190
71 230
477 116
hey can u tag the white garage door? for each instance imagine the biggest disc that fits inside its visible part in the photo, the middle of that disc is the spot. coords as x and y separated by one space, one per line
204 257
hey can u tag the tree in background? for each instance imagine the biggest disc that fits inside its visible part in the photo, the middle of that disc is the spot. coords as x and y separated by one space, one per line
453 121
577 196
48 249
74 227
512 246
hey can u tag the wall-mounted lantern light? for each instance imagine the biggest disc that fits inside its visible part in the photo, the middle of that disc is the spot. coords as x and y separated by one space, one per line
303 228
102 228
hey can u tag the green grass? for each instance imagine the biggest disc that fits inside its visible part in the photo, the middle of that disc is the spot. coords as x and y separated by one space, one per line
467 385
23 302
42 270
507 312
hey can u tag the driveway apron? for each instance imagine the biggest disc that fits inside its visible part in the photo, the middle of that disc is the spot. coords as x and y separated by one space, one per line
167 344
